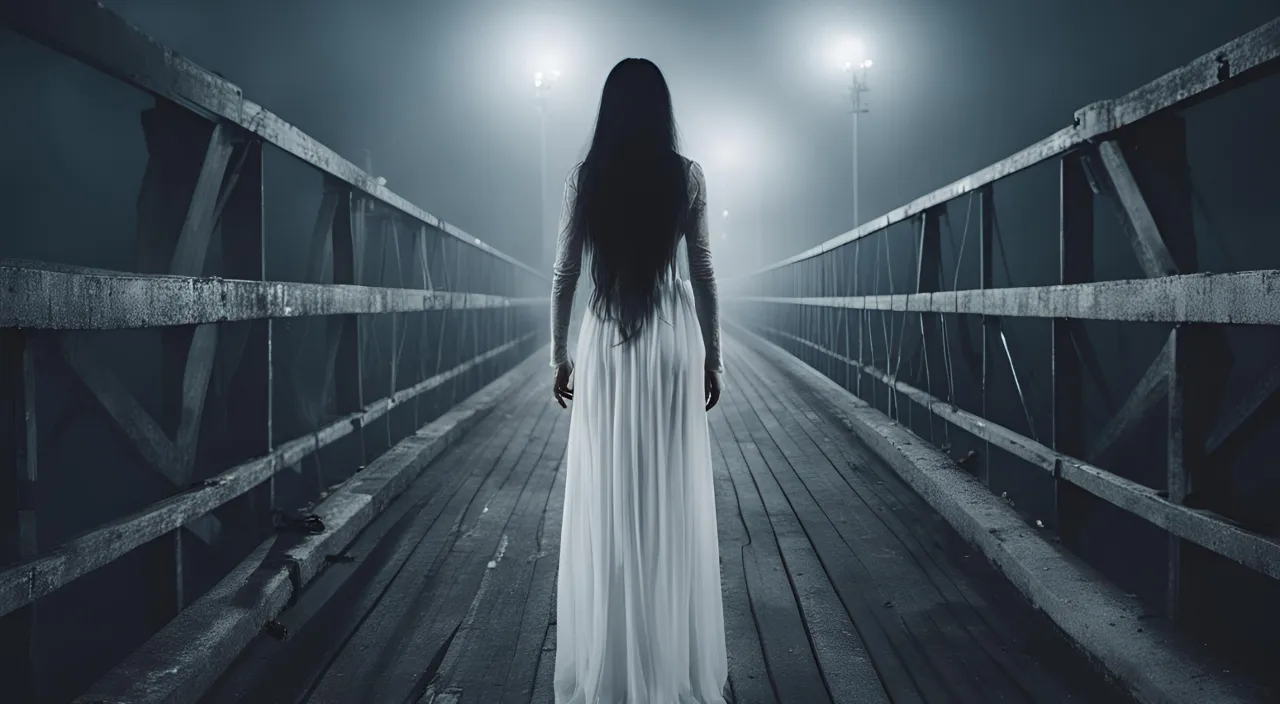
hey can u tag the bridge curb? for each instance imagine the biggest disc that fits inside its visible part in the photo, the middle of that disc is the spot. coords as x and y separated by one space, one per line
184 659
1157 665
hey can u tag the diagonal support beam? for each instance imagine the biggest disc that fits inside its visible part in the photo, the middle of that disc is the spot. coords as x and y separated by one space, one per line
193 241
1237 424
195 387
145 434
188 260
1144 233
1151 389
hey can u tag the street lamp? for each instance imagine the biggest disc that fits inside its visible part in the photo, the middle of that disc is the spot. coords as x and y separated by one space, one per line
542 83
853 61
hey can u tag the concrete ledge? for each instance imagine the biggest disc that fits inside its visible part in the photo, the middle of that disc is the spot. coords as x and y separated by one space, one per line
1156 664
178 664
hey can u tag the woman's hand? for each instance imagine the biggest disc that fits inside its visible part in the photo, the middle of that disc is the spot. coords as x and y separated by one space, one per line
563 392
712 388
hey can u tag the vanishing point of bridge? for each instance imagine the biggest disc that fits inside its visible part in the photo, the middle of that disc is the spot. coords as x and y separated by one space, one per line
336 476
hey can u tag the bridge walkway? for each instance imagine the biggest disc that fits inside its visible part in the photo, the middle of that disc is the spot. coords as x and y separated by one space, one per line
840 583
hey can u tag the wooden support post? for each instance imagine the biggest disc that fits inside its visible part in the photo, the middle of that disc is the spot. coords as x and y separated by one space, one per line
343 347
1201 355
1075 265
178 208
18 505
421 241
1180 461
1151 183
862 314
928 279
245 348
1194 393
990 324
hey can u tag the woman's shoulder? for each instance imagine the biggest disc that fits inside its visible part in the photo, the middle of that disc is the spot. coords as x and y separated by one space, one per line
697 180
574 176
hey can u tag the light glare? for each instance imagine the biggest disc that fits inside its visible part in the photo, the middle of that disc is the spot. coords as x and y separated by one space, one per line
849 52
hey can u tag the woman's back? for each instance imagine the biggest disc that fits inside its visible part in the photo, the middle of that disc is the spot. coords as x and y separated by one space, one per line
688 256
639 612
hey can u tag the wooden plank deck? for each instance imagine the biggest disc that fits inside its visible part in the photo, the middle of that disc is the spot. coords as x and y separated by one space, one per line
840 584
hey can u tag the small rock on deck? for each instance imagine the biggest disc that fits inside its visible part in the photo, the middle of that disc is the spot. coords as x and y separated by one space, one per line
840 584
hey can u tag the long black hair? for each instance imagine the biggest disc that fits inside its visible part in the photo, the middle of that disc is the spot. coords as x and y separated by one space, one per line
632 195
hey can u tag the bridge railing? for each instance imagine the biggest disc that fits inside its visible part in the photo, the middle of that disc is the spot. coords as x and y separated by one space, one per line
914 344
394 316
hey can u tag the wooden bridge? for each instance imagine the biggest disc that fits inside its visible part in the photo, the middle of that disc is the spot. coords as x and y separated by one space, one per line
336 476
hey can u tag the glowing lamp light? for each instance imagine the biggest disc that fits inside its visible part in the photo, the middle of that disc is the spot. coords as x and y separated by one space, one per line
541 78
725 214
849 54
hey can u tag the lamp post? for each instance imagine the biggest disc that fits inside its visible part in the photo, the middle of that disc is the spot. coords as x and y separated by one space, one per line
542 83
856 64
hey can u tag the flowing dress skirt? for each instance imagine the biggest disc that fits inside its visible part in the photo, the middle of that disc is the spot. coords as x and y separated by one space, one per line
639 613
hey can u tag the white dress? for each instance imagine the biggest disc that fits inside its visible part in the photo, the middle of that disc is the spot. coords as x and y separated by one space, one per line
639 613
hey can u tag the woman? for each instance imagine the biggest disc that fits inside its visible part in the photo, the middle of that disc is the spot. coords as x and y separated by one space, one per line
639 614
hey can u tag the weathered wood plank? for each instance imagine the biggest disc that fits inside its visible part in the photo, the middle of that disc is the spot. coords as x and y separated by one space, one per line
749 678
179 663
1209 530
1244 298
461 582
803 532
24 583
424 582
865 565
1145 655
896 515
478 662
540 613
50 297
334 605
793 666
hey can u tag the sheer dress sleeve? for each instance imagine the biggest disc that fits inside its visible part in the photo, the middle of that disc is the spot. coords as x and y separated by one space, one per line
568 265
701 273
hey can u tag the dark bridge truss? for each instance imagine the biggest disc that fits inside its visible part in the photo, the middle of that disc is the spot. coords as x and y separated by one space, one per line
458 313
836 307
